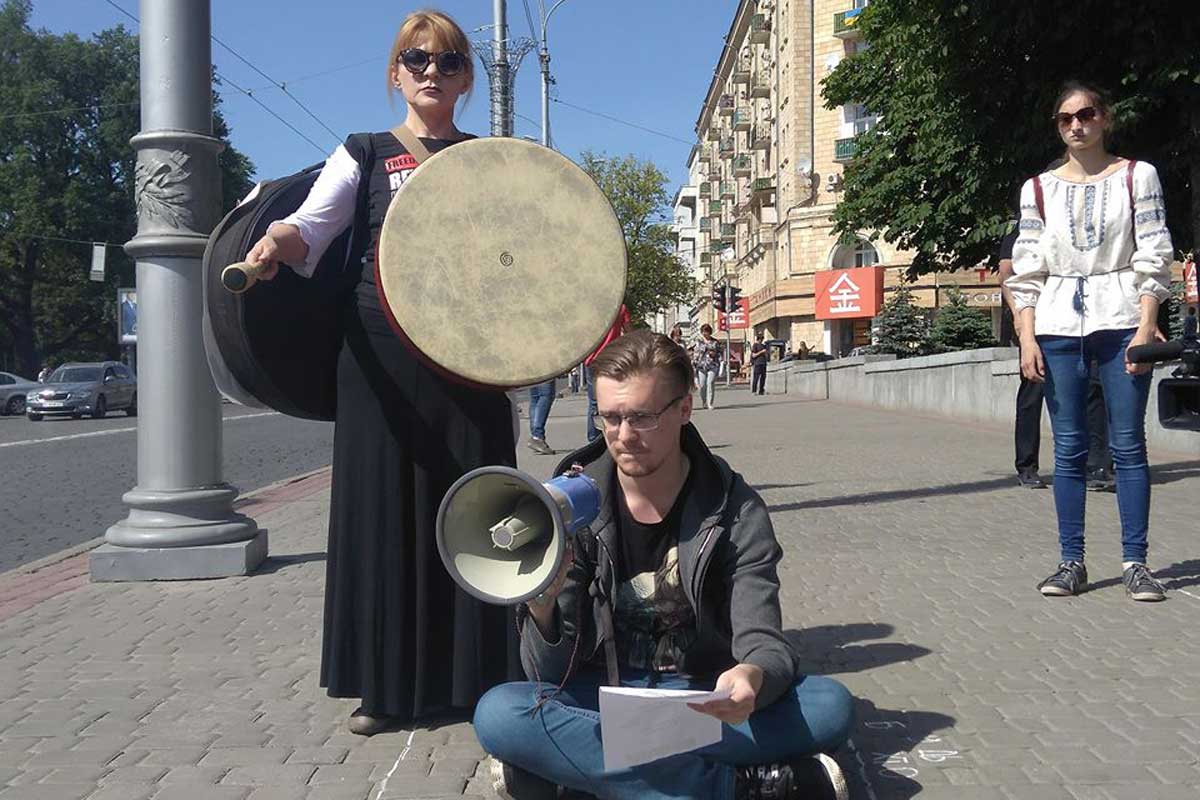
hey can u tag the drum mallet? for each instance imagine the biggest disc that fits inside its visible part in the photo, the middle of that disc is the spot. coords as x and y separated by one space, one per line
239 277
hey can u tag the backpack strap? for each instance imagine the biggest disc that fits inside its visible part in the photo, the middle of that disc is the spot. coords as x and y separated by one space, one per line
411 143
1132 206
1038 197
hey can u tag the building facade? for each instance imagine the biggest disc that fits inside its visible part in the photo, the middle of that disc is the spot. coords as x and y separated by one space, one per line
766 175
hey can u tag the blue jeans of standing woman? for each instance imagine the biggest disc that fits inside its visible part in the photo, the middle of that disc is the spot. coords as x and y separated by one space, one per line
1066 359
541 397
561 740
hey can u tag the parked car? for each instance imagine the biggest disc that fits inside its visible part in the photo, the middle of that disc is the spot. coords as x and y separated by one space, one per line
13 390
78 389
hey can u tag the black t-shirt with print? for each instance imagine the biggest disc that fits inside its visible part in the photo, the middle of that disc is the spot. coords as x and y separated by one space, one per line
653 620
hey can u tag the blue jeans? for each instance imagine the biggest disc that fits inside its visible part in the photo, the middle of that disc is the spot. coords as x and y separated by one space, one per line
1125 397
706 383
541 397
561 741
590 380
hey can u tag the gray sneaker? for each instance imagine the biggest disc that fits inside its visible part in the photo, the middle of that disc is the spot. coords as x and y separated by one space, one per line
1141 585
540 447
1070 579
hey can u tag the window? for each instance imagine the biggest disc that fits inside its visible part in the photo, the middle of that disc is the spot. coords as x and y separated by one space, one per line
861 3
6 380
859 253
124 372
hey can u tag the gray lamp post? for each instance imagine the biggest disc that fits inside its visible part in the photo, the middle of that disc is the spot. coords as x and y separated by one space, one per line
181 522
544 57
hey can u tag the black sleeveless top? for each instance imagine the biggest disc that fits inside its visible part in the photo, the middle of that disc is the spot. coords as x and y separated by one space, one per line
385 164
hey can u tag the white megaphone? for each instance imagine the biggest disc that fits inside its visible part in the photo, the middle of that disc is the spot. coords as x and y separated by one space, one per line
501 533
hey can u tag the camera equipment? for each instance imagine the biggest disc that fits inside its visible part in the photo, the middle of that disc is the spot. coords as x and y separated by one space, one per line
1179 395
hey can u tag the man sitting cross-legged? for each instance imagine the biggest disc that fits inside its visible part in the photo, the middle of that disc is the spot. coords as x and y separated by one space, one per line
673 586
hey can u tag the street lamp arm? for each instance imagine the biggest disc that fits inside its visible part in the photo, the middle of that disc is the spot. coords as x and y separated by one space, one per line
546 19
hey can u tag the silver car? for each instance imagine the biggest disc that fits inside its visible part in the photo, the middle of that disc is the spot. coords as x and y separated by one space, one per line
13 390
78 389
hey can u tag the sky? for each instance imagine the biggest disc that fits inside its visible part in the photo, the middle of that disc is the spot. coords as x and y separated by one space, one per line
646 62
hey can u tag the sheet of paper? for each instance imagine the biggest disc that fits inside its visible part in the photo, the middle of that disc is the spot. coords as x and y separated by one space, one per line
638 726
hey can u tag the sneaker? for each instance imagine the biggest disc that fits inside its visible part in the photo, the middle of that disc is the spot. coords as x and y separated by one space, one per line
1030 479
815 778
1141 585
513 783
1070 579
540 447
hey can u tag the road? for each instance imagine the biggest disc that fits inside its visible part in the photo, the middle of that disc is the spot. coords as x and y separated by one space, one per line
61 480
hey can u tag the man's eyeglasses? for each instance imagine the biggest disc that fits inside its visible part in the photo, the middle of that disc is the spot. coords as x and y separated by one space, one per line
638 421
449 62
1084 115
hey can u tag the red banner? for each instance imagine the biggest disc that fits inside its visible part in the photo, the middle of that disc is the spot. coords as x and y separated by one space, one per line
738 319
849 293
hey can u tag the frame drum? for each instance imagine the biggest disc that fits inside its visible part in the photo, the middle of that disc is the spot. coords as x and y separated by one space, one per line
501 263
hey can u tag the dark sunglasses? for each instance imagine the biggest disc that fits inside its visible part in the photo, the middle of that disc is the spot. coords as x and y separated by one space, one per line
1084 115
449 62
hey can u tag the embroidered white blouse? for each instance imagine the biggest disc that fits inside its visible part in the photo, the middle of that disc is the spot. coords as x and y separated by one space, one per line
328 210
1087 245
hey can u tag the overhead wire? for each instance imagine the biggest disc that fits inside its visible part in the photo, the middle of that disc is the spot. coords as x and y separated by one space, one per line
620 121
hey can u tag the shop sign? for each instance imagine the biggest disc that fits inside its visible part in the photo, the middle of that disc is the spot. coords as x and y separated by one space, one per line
738 319
849 293
976 298
1190 288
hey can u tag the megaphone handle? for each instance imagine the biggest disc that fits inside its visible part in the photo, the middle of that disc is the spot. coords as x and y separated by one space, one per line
239 277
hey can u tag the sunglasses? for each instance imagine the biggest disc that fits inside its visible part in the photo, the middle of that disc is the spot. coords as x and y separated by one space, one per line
1084 115
449 62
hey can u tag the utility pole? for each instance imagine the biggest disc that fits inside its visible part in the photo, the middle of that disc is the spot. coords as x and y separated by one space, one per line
728 328
544 58
502 86
181 521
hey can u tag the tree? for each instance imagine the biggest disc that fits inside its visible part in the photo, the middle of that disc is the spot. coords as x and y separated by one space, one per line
657 279
68 108
957 326
903 329
964 91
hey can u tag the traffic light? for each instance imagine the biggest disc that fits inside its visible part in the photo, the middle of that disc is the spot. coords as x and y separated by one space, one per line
718 298
735 294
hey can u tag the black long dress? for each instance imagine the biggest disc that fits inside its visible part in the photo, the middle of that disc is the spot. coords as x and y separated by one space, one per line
398 632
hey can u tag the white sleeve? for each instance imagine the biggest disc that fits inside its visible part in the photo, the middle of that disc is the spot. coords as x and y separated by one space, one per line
329 208
1029 265
1152 249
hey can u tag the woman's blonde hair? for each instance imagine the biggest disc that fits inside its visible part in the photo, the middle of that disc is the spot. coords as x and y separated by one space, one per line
444 34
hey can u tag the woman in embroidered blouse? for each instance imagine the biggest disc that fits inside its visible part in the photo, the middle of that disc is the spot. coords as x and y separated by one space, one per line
1091 266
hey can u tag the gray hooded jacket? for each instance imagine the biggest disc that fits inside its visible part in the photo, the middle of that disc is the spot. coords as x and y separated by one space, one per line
727 559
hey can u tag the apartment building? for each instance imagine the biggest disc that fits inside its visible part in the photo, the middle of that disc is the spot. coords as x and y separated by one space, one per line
766 175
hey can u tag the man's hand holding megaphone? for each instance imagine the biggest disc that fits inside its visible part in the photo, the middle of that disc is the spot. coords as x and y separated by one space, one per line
541 608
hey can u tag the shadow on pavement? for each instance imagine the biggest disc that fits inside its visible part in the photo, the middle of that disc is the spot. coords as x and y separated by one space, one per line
1180 574
995 484
762 487
890 748
274 564
828 649
1173 471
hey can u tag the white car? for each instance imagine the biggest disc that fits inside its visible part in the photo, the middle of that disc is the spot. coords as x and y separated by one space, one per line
13 390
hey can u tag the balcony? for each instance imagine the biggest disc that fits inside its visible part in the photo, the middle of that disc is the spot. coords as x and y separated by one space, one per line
705 224
763 186
726 105
705 154
727 146
717 247
714 134
728 231
705 190
761 87
741 118
714 208
761 138
741 71
742 165
728 189
845 23
760 29
844 150
705 260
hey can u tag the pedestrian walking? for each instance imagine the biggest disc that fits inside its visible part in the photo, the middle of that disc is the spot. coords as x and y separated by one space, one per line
1027 429
541 398
1091 268
620 327
758 365
398 632
706 357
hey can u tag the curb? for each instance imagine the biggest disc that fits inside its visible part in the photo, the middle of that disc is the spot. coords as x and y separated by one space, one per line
25 586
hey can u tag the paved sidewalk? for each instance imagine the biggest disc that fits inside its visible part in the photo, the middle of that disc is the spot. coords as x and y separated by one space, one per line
910 570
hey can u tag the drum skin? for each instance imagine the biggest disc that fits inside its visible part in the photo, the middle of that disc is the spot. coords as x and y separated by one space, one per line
501 262
280 339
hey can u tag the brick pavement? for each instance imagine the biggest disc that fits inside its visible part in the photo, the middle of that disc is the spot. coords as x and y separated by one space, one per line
910 571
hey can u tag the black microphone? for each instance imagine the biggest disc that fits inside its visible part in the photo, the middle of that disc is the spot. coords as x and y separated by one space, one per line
1155 351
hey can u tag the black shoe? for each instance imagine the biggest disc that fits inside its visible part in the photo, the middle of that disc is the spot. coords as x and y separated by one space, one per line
1070 579
1030 479
1141 585
1100 483
513 783
540 447
814 778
